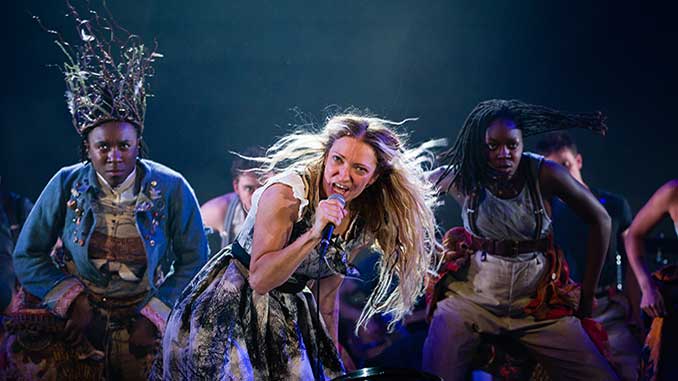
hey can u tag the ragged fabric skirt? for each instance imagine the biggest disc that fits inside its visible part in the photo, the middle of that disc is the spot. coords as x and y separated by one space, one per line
33 347
220 329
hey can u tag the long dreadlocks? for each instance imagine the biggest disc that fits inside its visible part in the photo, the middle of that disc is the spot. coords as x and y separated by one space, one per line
466 161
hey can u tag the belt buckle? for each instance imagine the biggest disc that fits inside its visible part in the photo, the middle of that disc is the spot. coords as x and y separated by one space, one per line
514 247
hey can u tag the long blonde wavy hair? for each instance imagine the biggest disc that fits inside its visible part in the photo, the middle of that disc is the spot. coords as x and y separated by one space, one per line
397 209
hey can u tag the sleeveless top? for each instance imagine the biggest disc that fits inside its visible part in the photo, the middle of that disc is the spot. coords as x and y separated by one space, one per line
337 258
514 218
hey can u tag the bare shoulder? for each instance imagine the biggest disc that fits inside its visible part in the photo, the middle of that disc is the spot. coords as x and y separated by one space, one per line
663 201
279 199
550 171
219 202
550 168
669 190
666 198
214 211
553 177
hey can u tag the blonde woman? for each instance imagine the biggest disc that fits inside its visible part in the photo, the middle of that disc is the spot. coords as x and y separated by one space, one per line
248 314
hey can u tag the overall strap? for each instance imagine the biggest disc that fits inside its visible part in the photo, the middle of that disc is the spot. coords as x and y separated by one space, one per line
535 193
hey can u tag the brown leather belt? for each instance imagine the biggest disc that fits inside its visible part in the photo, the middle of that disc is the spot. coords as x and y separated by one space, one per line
509 248
116 308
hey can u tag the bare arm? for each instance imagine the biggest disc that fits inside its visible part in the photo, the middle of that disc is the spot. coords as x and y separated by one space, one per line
664 201
273 262
556 181
213 212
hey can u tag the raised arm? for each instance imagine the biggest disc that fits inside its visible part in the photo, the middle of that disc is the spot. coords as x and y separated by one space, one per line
664 201
556 181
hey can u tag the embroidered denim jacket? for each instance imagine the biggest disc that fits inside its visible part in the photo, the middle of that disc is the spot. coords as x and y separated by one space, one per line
167 218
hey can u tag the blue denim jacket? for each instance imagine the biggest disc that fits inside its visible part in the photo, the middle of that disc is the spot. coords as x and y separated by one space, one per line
167 218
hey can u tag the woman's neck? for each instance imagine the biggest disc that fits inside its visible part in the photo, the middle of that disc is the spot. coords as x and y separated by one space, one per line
506 186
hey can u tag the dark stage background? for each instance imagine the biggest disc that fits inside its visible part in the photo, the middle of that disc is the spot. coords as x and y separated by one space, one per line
235 71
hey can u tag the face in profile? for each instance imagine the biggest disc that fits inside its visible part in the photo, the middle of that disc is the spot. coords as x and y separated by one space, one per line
569 160
113 148
350 166
503 147
245 185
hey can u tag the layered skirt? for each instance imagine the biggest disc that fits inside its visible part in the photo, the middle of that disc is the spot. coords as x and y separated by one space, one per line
220 329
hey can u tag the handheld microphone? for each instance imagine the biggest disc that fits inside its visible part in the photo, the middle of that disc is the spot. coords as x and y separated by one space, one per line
329 229
322 250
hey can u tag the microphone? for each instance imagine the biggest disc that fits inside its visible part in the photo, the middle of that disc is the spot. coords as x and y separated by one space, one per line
322 250
329 229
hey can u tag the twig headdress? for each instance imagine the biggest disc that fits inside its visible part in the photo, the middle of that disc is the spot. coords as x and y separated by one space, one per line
105 73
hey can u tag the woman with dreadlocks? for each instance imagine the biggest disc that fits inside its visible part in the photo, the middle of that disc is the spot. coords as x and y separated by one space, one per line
248 314
131 230
505 276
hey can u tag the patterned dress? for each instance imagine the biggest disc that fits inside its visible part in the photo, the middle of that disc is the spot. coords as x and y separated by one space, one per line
220 329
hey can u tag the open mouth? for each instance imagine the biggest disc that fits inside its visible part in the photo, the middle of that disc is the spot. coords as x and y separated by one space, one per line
341 189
